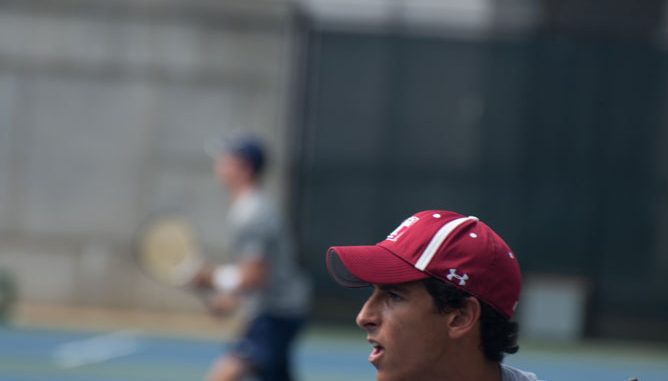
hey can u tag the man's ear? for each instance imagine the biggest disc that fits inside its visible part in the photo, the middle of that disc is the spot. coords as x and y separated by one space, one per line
464 320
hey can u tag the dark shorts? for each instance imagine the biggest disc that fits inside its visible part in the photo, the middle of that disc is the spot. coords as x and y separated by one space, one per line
266 346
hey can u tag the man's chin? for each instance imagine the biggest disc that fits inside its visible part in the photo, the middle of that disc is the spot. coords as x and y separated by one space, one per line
383 375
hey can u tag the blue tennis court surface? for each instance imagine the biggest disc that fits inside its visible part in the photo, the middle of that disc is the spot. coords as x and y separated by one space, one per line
58 355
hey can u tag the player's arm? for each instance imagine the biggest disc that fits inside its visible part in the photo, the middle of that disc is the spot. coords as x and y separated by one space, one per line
231 281
246 276
253 274
250 271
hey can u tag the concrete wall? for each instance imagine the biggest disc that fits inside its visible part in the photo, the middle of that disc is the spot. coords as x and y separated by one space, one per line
105 108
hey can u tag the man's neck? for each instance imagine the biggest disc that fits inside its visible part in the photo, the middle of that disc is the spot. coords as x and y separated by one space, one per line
477 368
241 191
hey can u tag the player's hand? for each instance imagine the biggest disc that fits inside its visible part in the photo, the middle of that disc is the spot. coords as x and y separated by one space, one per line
203 279
223 304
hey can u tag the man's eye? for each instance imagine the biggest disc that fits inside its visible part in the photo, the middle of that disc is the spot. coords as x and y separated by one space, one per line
394 296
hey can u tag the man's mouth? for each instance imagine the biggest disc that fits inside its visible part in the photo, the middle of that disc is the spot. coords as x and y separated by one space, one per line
376 352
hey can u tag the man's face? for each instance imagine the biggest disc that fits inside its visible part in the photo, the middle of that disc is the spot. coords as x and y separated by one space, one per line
231 171
409 338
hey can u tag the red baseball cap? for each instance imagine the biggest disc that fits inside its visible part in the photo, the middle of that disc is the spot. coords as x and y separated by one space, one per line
456 249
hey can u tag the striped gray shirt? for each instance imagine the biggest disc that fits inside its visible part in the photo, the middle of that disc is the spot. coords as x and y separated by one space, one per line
255 229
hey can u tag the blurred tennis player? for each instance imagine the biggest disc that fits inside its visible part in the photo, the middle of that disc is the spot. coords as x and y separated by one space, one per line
265 273
444 290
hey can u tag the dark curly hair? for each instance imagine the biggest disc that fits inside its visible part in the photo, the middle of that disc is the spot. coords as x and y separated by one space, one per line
498 334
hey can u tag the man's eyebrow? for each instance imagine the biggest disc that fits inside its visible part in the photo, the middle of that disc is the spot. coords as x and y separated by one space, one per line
392 287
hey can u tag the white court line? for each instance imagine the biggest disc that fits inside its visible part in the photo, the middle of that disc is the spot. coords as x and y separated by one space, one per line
96 349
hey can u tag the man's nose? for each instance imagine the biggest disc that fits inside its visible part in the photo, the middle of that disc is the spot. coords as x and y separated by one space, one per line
368 318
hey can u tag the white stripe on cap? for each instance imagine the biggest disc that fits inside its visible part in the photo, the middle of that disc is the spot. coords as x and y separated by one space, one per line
438 239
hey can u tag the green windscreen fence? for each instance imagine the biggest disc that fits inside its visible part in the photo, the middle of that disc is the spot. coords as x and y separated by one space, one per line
553 141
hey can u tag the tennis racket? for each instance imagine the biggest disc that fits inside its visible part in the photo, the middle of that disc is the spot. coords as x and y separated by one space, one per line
168 252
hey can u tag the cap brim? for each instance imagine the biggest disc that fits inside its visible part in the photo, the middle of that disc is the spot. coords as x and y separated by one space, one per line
361 266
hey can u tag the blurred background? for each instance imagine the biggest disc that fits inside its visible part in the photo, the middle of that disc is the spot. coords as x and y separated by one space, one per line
546 119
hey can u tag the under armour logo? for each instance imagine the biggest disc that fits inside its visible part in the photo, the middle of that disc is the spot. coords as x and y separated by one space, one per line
462 278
